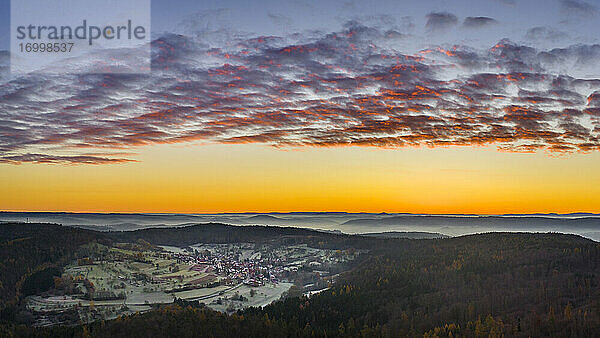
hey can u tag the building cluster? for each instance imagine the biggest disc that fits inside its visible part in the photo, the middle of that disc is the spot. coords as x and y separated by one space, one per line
234 269
237 263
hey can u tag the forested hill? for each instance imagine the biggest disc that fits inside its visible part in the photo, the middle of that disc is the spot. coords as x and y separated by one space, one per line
513 284
495 284
222 233
30 251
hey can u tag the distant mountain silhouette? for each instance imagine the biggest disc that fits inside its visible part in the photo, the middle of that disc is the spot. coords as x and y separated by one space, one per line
500 222
263 218
406 234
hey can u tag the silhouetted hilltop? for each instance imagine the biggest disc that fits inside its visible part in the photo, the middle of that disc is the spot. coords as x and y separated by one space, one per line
490 284
486 222
406 234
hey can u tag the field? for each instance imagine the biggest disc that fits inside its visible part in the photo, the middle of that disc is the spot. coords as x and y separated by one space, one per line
125 278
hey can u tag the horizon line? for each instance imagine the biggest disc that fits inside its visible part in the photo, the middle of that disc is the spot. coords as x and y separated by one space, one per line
299 212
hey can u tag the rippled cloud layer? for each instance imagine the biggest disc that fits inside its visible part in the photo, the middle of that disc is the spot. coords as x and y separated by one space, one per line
354 87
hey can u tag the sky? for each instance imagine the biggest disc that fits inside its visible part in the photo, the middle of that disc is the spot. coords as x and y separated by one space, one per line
484 107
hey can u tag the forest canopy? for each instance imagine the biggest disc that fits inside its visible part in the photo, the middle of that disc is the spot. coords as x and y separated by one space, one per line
493 284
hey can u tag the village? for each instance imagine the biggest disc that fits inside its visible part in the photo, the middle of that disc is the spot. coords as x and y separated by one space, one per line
109 281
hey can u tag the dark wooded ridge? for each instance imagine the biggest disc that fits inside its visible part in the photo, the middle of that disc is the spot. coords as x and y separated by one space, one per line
494 284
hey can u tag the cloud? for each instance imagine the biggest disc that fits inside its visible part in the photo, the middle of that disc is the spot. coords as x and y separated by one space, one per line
545 33
437 21
508 2
478 22
279 19
49 159
352 87
578 8
4 65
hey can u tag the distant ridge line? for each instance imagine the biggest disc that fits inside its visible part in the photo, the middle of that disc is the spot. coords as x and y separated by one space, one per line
550 214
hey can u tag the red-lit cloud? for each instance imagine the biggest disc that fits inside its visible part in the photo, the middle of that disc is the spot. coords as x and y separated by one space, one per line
353 87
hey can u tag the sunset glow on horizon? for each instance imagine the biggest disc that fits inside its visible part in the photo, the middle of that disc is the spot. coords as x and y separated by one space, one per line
255 178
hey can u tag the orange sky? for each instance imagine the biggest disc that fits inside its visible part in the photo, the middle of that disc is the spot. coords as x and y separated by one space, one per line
234 178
